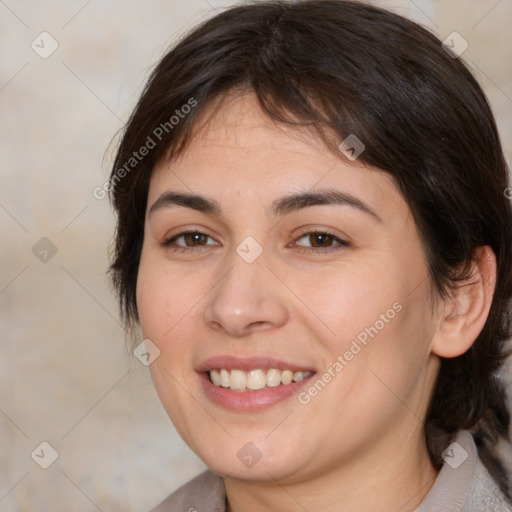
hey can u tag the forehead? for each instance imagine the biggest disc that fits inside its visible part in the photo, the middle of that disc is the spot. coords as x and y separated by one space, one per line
239 154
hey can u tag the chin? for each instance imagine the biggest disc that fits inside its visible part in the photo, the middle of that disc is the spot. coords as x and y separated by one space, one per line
256 461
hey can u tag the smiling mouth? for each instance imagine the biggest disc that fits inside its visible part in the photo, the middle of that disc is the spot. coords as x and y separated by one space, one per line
254 380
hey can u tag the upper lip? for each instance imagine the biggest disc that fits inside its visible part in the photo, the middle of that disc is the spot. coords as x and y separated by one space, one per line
249 363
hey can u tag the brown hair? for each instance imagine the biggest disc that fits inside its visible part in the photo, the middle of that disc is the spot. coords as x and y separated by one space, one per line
343 67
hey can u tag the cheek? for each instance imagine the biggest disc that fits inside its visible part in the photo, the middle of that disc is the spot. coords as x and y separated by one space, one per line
378 328
164 299
165 308
352 302
396 360
151 301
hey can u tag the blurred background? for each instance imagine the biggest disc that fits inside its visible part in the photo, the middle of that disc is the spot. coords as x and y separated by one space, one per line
70 73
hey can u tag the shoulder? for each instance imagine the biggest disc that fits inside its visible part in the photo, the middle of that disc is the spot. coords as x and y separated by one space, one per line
464 484
204 493
485 493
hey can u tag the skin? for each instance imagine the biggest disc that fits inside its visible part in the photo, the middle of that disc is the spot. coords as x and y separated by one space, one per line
360 440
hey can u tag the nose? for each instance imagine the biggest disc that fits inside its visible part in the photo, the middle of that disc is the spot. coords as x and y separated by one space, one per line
248 298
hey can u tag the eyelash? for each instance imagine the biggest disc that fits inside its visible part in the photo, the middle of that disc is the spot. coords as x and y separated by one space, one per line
310 250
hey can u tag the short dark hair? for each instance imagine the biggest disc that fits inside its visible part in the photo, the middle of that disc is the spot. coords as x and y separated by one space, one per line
346 68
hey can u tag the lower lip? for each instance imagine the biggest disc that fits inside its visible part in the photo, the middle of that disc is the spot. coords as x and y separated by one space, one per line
250 400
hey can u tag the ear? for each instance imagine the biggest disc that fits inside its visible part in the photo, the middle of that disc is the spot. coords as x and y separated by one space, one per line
464 313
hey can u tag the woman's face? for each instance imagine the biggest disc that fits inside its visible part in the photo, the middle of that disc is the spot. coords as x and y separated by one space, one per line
257 299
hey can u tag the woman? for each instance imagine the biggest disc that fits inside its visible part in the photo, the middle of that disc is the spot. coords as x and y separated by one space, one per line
314 236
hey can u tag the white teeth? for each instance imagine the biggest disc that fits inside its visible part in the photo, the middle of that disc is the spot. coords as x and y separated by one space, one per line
224 378
239 380
273 378
215 376
297 376
286 376
256 379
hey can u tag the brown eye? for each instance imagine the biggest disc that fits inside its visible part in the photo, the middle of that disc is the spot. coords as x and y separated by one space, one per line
195 238
320 241
190 239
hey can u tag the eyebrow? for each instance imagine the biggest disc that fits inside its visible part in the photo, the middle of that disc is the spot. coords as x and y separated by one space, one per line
280 207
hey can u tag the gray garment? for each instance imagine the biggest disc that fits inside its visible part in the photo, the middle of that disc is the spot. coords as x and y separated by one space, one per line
463 485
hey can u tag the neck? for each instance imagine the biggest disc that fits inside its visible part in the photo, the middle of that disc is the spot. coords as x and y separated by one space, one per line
394 475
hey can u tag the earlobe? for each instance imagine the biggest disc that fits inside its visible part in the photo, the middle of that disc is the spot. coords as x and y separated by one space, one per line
465 311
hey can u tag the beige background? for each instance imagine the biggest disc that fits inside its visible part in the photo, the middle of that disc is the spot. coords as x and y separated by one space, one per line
65 375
